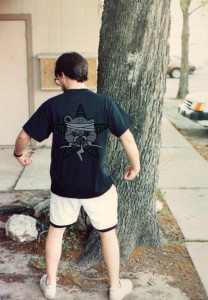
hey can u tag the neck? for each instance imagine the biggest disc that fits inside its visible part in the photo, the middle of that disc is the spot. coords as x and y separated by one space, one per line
71 84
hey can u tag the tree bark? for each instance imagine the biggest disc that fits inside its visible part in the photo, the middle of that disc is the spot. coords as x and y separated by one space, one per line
133 58
183 83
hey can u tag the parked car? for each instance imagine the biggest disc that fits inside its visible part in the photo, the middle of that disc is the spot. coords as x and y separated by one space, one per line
195 107
174 67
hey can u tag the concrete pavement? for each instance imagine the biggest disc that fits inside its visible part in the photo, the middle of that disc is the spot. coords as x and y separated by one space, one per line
183 182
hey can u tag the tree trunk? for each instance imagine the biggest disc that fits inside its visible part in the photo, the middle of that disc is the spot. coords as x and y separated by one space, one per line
133 58
183 84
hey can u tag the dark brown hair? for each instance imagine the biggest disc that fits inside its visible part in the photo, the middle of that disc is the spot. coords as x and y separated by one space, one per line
73 65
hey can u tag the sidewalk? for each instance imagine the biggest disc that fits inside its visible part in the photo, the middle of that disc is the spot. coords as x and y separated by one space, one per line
183 183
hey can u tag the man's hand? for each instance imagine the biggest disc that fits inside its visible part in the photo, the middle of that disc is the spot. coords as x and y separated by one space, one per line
25 159
130 173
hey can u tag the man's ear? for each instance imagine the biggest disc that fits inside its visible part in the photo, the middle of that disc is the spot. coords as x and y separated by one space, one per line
63 75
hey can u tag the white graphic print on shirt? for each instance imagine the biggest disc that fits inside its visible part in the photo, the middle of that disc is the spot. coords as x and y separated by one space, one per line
80 133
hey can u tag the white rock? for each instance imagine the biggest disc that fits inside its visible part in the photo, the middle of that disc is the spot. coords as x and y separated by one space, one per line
159 205
21 228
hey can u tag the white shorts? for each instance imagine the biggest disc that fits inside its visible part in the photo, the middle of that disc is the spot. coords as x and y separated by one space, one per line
102 210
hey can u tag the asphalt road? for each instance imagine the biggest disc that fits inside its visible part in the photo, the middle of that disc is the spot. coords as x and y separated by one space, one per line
197 82
195 133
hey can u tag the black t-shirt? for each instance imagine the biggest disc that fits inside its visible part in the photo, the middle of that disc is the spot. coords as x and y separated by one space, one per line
80 121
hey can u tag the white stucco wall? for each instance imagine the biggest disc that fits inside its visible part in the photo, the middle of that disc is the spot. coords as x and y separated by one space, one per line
58 26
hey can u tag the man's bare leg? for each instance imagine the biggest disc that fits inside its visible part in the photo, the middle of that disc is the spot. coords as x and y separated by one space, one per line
111 254
53 249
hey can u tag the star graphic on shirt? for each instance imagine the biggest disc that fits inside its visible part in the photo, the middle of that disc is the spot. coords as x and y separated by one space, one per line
80 133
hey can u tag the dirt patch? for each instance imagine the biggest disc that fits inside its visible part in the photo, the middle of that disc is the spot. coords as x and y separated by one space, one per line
73 240
170 260
13 278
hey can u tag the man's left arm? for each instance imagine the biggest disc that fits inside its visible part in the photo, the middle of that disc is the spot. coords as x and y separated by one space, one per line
20 145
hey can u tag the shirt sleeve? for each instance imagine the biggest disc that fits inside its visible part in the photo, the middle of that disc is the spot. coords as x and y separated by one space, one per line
39 126
119 121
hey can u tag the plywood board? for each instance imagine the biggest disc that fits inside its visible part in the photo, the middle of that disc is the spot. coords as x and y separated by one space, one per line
47 66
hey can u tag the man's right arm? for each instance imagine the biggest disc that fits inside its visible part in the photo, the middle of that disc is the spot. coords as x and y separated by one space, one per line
128 142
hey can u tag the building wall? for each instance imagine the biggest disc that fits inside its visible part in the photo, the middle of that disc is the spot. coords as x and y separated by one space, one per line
57 26
198 23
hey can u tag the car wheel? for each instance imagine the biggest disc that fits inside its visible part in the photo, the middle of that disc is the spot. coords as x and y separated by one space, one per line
175 73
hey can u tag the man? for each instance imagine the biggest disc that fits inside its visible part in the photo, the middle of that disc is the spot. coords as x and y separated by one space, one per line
80 120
